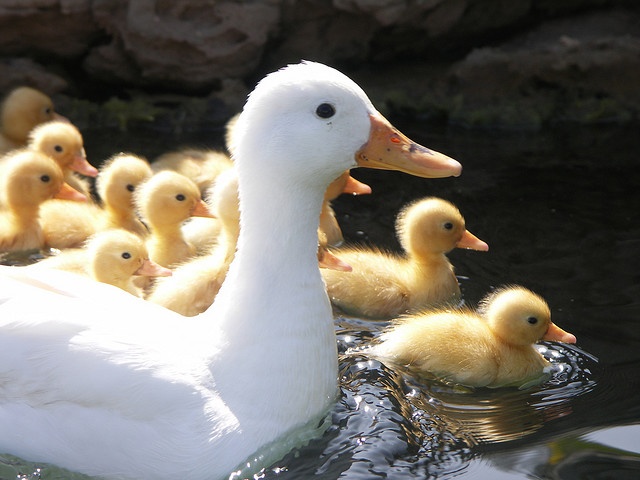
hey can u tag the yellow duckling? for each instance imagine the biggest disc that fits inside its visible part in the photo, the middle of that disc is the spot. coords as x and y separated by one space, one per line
194 284
201 166
113 256
63 142
164 202
68 225
22 110
492 347
385 285
118 179
27 179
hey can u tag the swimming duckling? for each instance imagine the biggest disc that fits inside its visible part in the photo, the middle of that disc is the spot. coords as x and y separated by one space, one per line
21 111
195 283
385 285
27 179
164 202
491 347
63 142
112 256
118 179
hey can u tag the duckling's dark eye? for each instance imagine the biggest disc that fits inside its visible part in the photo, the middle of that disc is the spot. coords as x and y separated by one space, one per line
45 178
325 110
48 110
130 187
58 148
126 255
448 225
532 320
180 197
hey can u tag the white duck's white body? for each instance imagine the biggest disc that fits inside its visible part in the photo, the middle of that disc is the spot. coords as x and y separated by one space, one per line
95 380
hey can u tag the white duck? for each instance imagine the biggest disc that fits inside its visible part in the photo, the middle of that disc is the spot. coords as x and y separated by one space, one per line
137 391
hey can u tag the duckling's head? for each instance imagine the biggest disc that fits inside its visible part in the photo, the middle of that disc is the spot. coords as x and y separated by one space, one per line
520 317
29 178
63 142
119 178
169 198
22 110
434 226
118 254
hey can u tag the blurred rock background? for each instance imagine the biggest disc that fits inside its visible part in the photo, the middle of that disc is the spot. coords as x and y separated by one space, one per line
188 64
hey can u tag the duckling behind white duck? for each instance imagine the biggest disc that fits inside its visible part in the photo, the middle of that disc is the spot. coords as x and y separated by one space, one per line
164 202
113 256
27 179
384 285
63 142
21 111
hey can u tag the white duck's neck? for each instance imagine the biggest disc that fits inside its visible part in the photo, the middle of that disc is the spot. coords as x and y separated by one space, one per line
273 312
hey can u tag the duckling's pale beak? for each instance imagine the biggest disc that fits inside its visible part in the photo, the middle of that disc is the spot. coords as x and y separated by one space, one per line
388 149
202 210
149 268
556 334
356 187
469 240
67 192
60 118
328 260
82 166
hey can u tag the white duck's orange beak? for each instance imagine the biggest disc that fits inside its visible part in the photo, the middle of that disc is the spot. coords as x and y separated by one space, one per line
355 187
82 166
67 192
470 241
556 334
388 149
202 210
149 268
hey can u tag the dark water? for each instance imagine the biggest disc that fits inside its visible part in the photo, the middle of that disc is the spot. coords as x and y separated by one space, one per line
560 213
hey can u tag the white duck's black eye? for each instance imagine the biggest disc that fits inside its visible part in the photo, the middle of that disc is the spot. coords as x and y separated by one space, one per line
448 225
126 255
180 197
532 320
130 187
325 110
58 148
45 178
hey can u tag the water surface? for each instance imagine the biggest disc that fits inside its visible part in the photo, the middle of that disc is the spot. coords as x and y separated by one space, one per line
559 211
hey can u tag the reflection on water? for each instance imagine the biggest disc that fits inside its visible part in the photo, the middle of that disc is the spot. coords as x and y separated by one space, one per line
559 211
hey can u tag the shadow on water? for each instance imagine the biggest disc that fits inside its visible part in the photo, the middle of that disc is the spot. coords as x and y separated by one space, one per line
559 211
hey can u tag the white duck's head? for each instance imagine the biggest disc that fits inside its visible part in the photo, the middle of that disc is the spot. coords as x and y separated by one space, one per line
319 117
